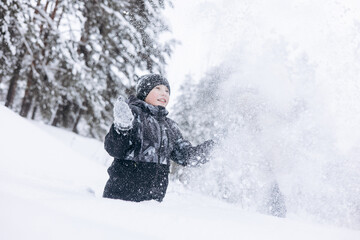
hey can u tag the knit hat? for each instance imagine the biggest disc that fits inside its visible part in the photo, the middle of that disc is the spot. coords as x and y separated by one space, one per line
147 82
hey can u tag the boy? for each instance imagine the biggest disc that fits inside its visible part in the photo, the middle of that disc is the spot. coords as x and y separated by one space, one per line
142 141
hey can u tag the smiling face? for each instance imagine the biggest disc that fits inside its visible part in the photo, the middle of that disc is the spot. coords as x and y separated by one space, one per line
158 96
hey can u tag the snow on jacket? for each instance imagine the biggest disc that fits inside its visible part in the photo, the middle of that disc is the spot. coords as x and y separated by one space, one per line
143 153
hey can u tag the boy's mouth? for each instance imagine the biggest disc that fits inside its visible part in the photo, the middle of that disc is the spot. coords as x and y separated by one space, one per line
162 100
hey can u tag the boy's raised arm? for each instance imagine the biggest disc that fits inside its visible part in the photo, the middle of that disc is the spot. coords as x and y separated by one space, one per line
119 137
116 143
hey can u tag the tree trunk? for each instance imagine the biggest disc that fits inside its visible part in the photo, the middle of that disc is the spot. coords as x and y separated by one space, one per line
62 114
83 41
75 130
14 79
12 89
66 118
57 116
27 99
34 112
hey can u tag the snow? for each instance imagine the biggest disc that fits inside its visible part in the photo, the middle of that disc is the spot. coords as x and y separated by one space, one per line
51 183
293 88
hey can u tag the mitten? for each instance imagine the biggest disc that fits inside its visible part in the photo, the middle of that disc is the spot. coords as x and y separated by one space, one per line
201 153
123 117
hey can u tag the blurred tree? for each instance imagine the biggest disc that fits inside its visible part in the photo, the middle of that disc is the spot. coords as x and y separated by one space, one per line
199 113
220 107
198 110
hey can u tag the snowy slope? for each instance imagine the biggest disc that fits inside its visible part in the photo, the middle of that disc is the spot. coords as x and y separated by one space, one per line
51 184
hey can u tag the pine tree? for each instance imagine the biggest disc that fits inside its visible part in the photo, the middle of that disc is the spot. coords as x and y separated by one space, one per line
12 50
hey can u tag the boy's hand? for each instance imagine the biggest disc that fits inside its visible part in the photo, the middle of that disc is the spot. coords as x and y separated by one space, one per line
123 116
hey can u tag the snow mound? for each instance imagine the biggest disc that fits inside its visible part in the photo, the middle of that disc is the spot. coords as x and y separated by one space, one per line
51 183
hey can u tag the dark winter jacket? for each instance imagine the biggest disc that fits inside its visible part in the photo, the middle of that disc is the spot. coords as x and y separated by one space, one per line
142 154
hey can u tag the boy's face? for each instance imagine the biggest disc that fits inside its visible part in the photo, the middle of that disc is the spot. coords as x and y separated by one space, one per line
158 96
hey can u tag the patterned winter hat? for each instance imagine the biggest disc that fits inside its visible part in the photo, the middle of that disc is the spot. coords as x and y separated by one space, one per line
147 82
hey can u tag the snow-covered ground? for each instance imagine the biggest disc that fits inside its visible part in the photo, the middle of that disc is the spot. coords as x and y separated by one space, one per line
51 183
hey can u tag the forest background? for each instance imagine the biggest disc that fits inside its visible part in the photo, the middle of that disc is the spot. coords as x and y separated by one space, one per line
65 62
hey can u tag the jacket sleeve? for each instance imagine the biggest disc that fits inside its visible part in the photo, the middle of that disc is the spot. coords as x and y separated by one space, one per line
117 143
186 154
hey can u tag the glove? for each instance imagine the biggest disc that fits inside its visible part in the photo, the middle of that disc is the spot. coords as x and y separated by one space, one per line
202 153
123 117
210 144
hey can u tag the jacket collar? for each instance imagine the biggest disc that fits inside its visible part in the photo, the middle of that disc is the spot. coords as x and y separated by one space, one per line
158 112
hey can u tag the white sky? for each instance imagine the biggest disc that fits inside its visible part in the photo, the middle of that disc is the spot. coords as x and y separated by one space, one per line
192 56
210 31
